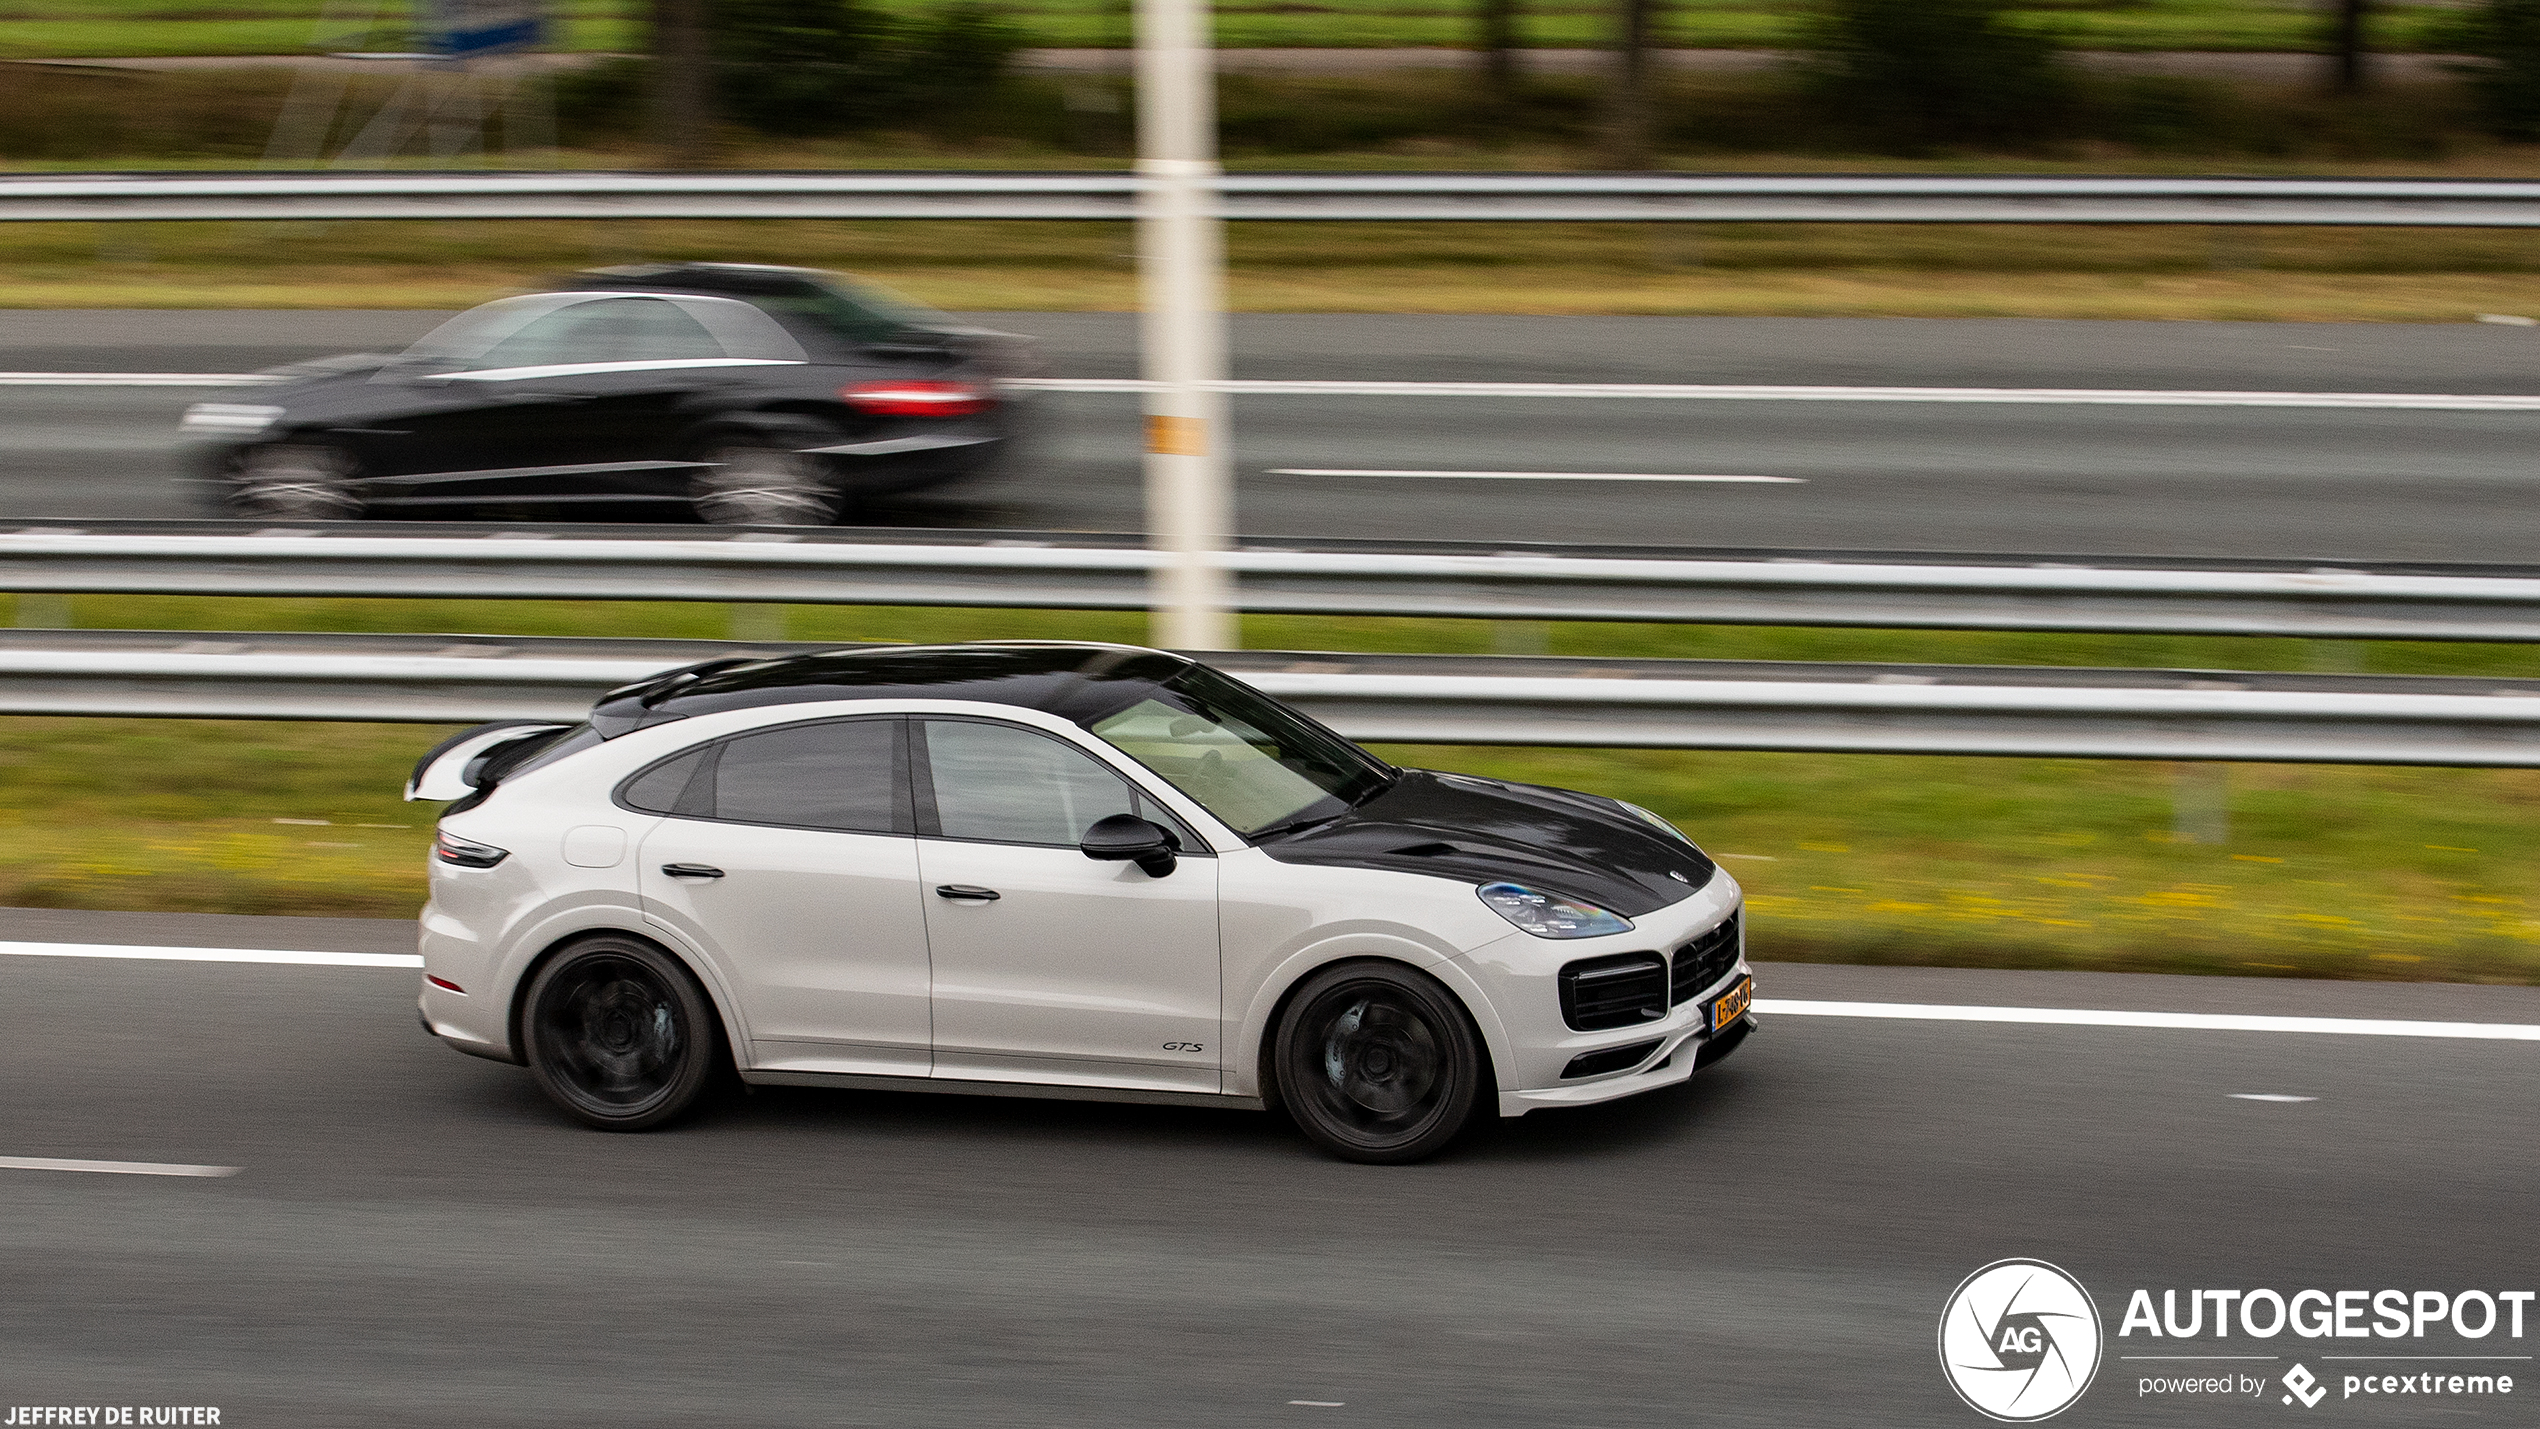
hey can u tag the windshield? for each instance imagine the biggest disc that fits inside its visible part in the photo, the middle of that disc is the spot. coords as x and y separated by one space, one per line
1245 758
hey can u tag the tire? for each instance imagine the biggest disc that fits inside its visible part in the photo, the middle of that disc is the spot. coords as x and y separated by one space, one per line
1378 1063
620 1035
295 481
756 483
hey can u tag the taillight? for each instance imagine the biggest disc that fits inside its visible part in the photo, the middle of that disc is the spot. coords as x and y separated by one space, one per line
445 984
917 398
466 853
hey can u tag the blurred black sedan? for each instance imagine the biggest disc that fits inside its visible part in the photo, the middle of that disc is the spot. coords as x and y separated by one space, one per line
749 394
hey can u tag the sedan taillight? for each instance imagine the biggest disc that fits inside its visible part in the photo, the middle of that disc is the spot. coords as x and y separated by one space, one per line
917 398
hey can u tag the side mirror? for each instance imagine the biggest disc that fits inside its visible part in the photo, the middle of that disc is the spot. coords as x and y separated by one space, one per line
1126 838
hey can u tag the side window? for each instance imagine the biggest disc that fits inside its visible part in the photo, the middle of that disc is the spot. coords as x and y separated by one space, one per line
1001 784
838 774
658 790
603 330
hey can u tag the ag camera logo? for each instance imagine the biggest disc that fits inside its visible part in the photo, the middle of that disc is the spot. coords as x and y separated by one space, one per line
2019 1340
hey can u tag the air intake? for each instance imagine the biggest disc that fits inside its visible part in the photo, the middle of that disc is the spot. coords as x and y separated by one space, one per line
1612 1059
1619 991
1700 964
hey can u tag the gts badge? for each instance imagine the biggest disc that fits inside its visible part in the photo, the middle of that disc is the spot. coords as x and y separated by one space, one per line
1184 1047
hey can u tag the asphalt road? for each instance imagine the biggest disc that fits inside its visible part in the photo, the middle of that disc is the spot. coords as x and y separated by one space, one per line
414 1238
2362 484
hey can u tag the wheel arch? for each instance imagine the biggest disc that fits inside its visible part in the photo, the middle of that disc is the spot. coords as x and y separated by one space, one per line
515 1017
785 424
1261 1040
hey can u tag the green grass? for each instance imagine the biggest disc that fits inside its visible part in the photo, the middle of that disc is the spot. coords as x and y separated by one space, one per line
1830 270
2329 871
154 27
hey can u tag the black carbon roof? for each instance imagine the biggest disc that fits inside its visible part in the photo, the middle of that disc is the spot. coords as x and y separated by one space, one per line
1074 681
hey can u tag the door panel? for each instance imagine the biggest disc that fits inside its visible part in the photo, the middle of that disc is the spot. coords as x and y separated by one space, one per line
820 932
1078 971
797 872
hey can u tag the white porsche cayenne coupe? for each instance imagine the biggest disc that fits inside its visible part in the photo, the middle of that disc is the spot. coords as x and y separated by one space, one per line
1054 870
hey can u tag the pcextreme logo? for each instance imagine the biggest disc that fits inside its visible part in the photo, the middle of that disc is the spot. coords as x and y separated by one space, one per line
2019 1340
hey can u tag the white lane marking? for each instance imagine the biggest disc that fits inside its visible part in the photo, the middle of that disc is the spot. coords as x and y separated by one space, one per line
211 955
2177 1021
1783 1006
2269 1097
131 379
1517 475
1319 1403
1722 392
113 1168
1676 391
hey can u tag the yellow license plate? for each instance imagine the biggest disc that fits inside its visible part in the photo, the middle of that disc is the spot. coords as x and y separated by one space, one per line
1732 1003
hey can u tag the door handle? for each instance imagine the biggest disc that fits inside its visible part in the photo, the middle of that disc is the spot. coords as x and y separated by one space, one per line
965 893
692 870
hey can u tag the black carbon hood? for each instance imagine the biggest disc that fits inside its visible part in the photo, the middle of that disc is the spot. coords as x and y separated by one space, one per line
1484 831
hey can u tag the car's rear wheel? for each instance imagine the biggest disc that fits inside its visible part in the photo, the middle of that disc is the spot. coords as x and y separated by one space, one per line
620 1035
1376 1062
755 483
295 481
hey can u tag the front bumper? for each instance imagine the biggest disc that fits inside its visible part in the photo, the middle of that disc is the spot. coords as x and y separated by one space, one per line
1680 1056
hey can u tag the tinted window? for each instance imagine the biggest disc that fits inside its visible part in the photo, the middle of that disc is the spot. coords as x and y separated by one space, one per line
657 790
822 776
836 775
1009 785
603 330
855 312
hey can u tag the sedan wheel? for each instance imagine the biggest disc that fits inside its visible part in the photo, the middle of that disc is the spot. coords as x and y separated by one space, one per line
1378 1063
295 481
620 1035
750 485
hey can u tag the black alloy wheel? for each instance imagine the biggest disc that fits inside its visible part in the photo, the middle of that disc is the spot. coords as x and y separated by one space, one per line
757 484
295 481
620 1035
1378 1063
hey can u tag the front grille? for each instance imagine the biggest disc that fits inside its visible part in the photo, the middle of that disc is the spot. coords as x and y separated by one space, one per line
1703 962
1612 1059
1599 993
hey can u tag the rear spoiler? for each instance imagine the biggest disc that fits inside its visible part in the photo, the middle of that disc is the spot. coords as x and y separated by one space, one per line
453 768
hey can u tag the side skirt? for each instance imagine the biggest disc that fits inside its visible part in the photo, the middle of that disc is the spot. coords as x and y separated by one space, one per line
858 1081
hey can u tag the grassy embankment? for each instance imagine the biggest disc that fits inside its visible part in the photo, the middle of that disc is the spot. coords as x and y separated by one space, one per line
1752 123
2323 275
2350 872
264 27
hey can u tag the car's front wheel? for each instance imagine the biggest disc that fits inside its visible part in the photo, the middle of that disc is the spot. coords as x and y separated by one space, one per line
1376 1062
620 1035
757 483
295 481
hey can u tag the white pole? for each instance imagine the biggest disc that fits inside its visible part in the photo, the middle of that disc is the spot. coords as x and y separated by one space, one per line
1181 263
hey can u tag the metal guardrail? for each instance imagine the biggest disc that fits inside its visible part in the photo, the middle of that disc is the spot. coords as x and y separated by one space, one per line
2122 714
2325 603
1602 198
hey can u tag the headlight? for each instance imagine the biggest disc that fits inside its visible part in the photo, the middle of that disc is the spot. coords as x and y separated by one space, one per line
1655 822
227 419
1548 915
